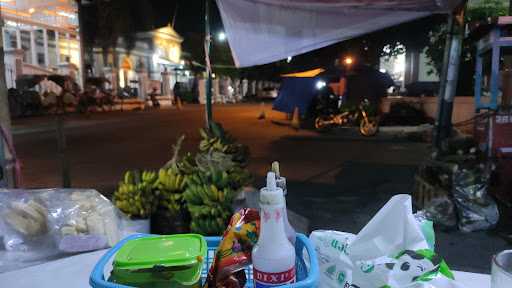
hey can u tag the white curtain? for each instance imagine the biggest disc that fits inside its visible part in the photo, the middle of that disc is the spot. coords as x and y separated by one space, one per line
264 31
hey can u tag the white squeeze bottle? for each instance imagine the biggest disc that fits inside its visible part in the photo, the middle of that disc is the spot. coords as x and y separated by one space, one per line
273 257
281 183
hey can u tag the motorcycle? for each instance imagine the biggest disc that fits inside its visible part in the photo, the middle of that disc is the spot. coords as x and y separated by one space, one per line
358 117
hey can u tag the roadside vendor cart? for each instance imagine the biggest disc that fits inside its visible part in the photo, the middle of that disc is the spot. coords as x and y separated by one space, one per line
75 271
493 100
395 244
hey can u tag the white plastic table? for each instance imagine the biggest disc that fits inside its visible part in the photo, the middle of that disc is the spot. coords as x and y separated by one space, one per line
74 272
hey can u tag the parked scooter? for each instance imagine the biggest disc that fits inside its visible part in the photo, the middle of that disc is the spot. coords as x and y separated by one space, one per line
330 114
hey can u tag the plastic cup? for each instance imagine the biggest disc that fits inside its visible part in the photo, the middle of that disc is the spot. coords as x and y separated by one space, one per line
501 273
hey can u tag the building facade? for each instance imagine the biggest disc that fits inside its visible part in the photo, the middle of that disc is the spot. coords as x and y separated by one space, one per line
40 37
408 68
154 62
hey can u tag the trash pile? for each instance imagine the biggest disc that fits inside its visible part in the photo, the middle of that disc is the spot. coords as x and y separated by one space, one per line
451 187
405 114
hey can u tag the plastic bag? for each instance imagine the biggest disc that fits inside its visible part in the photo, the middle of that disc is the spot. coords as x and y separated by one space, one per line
25 227
334 263
441 211
24 221
420 268
427 228
391 251
476 209
43 225
83 220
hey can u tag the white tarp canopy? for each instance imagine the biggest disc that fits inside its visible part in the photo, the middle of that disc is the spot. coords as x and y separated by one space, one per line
264 31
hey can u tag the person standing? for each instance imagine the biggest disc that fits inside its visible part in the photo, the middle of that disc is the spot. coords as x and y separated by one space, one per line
178 92
154 100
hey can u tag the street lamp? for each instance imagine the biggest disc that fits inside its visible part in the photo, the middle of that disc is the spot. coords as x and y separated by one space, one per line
221 36
348 60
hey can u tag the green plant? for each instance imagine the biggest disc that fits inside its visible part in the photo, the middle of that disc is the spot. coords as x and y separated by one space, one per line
477 12
135 194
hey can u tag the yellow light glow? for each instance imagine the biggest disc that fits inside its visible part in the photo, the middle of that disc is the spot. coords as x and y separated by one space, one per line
14 12
66 14
31 10
348 60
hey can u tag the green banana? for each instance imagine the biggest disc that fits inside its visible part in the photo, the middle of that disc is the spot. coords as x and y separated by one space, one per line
134 195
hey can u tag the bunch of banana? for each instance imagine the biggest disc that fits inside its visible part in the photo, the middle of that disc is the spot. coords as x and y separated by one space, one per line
208 204
148 176
208 226
208 195
238 178
215 136
214 160
170 187
135 194
211 143
186 165
239 153
216 139
198 211
170 180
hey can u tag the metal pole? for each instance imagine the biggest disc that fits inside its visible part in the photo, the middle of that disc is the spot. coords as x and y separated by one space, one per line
208 66
6 159
442 81
449 76
82 44
61 151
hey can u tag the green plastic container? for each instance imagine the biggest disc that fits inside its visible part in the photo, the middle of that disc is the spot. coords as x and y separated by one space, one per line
161 261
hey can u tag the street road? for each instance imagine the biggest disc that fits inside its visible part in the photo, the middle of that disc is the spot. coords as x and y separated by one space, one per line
336 181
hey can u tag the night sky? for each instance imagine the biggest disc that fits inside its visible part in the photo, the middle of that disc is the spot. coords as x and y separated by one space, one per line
189 20
189 15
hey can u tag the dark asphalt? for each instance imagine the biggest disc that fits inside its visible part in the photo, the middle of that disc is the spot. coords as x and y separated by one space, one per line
336 181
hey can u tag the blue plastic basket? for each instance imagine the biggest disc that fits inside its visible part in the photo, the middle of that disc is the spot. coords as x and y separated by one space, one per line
306 267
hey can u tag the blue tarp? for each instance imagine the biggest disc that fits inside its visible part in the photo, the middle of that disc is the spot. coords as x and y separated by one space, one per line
295 92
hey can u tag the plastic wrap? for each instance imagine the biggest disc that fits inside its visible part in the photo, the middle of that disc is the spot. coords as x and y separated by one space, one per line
42 225
475 208
334 263
441 211
427 228
82 220
24 221
393 251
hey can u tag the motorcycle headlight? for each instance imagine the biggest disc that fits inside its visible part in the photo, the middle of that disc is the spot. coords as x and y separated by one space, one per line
320 84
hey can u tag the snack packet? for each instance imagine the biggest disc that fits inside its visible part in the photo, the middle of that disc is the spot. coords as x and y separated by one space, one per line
234 252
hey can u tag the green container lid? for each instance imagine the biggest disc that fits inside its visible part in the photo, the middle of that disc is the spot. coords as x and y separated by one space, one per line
175 257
